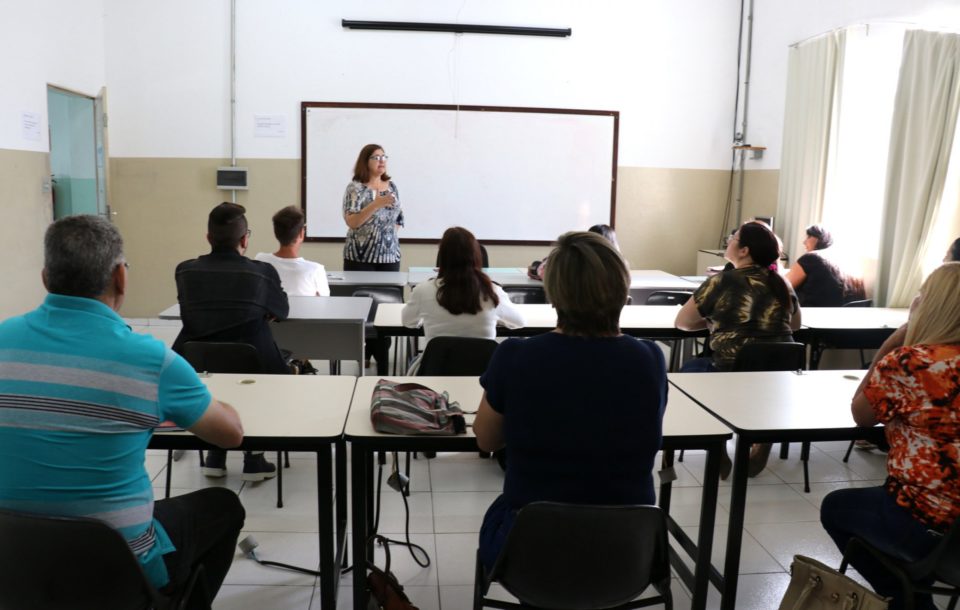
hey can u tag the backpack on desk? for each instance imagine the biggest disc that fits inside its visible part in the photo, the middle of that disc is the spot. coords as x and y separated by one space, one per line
411 408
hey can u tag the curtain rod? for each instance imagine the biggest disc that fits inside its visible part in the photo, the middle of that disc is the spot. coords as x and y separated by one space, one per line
457 28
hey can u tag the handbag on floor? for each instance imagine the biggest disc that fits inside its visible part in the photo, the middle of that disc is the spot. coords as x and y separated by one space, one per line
814 586
411 408
385 591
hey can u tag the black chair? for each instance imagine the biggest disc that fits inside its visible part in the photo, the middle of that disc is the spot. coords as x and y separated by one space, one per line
75 563
580 557
816 351
941 565
222 357
526 295
377 346
450 356
668 297
776 356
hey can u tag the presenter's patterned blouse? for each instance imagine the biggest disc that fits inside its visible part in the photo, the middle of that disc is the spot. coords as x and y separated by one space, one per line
375 241
915 393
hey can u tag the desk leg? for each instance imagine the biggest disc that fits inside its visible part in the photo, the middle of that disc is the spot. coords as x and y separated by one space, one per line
738 504
708 514
329 570
340 485
360 462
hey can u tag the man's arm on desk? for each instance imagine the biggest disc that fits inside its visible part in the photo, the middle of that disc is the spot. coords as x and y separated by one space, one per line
219 425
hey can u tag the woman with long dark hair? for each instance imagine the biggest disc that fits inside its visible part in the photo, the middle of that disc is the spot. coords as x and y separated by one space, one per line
461 301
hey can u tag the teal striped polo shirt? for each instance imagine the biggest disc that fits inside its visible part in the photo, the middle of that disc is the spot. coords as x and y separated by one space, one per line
80 395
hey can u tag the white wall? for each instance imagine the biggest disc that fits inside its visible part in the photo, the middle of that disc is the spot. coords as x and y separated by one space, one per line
668 67
57 42
779 23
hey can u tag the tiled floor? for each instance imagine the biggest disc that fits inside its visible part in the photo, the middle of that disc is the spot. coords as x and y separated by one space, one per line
451 492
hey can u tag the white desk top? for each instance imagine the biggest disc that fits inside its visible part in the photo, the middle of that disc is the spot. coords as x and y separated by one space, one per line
367 278
683 416
307 309
287 406
813 400
544 317
640 279
853 318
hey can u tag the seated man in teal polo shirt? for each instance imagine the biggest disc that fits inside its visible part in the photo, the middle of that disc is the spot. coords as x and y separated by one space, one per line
80 396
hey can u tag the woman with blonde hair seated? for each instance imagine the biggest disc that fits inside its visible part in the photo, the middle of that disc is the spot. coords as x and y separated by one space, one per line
578 409
913 388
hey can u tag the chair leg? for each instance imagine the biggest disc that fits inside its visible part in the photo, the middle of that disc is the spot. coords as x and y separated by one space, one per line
169 471
479 579
680 457
202 463
846 456
286 459
805 458
784 450
279 480
953 602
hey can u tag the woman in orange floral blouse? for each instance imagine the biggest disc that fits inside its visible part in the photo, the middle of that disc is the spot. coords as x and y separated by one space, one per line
913 388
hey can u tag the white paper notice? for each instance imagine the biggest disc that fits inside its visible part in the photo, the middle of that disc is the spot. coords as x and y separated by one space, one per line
269 126
30 126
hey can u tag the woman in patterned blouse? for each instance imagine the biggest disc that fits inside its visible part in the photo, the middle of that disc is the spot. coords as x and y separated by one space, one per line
371 209
913 388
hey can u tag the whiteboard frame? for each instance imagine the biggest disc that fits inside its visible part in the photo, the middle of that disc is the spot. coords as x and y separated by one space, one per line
304 106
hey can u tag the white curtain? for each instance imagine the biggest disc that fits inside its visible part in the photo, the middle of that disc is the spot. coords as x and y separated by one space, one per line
924 123
814 73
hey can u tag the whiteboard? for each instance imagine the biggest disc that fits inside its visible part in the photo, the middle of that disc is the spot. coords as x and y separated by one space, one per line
509 175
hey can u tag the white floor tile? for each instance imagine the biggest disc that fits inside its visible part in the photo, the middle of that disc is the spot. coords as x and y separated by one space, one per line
406 569
775 504
258 597
299 549
784 540
465 472
456 558
754 559
460 511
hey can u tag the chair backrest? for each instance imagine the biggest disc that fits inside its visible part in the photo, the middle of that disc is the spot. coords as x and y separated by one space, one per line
69 563
450 356
526 295
781 356
863 303
573 557
217 357
943 563
668 297
379 294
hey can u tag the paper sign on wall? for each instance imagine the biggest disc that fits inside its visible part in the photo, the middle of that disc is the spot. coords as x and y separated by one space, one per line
269 126
30 126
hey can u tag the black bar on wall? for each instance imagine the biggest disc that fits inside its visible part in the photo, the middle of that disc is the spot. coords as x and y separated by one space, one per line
457 28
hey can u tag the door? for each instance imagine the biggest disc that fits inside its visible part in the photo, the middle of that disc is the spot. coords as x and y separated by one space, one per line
77 154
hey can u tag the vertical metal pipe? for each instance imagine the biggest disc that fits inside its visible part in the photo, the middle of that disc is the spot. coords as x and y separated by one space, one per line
746 107
233 90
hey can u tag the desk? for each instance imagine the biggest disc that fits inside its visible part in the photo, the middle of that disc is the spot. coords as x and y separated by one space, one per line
343 283
653 322
847 328
766 408
685 426
321 328
309 417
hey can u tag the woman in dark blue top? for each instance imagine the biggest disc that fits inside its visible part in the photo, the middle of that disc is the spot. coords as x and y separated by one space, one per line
579 409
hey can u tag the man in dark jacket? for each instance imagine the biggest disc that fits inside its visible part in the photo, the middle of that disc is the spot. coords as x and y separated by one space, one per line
226 297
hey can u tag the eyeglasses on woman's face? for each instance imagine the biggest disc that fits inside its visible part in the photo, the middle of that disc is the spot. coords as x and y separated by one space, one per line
379 157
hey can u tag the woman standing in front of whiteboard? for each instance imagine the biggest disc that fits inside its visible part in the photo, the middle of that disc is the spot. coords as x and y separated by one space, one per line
371 209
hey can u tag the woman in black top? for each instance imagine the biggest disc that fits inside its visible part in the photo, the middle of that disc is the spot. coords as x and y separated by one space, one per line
819 282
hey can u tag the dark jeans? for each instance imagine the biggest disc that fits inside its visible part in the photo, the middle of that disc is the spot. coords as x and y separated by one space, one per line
358 266
497 523
203 526
872 514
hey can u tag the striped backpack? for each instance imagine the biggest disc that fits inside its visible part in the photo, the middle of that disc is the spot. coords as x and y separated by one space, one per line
411 408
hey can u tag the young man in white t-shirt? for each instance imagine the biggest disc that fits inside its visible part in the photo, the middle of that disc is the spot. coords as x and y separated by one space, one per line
298 276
